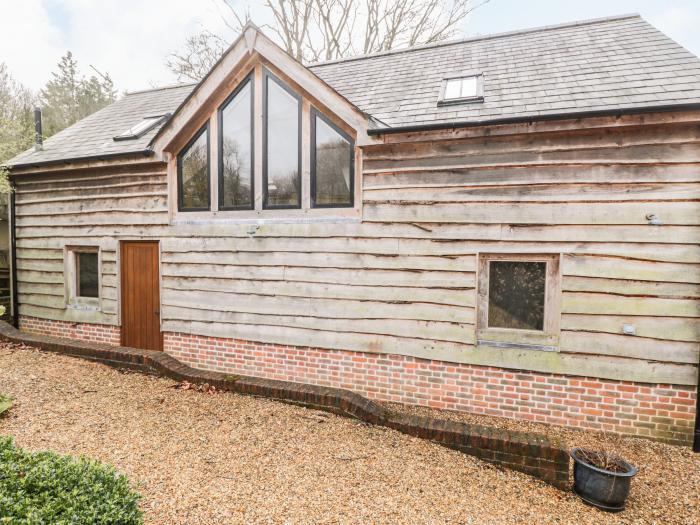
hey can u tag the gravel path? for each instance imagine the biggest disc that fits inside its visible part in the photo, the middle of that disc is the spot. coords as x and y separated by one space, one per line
224 458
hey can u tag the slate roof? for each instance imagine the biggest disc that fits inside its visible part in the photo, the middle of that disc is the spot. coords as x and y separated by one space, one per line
93 135
612 63
617 63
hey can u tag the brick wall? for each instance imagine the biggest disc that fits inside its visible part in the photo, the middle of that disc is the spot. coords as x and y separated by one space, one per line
96 333
652 410
532 453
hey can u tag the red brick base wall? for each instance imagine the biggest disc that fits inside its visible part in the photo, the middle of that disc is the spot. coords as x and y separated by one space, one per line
653 410
96 333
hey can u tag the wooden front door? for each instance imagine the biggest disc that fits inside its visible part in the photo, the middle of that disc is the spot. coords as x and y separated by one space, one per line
140 295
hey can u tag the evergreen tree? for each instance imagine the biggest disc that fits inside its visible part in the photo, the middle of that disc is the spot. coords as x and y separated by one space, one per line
69 97
16 121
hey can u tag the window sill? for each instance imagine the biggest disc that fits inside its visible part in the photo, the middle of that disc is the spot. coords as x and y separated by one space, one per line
460 101
84 307
518 338
260 219
485 343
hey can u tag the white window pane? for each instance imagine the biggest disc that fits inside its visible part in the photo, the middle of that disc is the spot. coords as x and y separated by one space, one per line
453 89
140 127
468 87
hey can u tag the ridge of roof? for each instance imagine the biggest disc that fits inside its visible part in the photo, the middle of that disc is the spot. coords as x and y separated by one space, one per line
478 38
160 88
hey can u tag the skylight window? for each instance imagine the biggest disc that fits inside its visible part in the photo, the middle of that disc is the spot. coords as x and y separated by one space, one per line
467 88
139 129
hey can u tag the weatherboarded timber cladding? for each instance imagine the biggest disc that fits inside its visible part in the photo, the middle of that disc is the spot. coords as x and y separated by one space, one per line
403 280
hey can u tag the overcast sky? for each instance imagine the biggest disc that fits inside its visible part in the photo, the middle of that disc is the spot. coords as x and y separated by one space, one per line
130 39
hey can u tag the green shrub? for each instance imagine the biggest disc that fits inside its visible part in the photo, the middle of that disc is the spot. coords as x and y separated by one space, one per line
5 403
45 488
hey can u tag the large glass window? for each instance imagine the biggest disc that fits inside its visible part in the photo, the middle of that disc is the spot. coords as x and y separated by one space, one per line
193 173
282 160
236 150
331 165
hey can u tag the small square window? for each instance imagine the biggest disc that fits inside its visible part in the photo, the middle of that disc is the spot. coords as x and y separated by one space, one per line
461 89
87 278
519 298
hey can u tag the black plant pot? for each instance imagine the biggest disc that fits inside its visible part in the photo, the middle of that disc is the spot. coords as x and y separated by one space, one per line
602 488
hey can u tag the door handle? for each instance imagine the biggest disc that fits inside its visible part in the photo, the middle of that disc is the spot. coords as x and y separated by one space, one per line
157 312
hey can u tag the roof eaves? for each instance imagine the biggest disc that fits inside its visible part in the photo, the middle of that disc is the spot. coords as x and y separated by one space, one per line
105 156
535 118
161 88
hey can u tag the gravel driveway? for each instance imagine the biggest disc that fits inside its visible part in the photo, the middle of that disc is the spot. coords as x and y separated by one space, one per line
224 458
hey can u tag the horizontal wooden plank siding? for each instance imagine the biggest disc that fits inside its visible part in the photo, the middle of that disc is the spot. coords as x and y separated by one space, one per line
64 209
403 280
585 194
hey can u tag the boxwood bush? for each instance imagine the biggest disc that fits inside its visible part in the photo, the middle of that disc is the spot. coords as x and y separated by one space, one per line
45 488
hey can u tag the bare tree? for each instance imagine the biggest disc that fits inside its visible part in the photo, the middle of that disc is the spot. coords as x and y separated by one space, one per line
198 56
313 30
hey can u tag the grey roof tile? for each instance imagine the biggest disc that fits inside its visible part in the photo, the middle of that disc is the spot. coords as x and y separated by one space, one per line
618 62
597 65
93 135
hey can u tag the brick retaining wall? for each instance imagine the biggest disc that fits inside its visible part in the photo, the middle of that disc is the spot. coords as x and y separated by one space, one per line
658 411
531 453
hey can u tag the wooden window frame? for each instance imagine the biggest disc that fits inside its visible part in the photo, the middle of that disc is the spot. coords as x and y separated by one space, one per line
546 339
250 78
267 75
195 137
313 114
72 299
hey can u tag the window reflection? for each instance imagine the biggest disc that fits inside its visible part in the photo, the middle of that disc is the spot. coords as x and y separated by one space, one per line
282 147
87 274
236 153
517 294
194 174
332 166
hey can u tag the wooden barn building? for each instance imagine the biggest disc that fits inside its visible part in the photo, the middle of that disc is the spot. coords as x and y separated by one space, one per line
507 224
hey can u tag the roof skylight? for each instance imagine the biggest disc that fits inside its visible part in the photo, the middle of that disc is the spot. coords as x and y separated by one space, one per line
468 88
139 129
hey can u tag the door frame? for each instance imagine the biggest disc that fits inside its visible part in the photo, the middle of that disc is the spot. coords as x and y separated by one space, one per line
120 277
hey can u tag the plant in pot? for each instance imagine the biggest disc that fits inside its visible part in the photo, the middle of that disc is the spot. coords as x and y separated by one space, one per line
602 479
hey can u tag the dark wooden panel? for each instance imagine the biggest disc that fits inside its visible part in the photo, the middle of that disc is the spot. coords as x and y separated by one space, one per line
140 299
